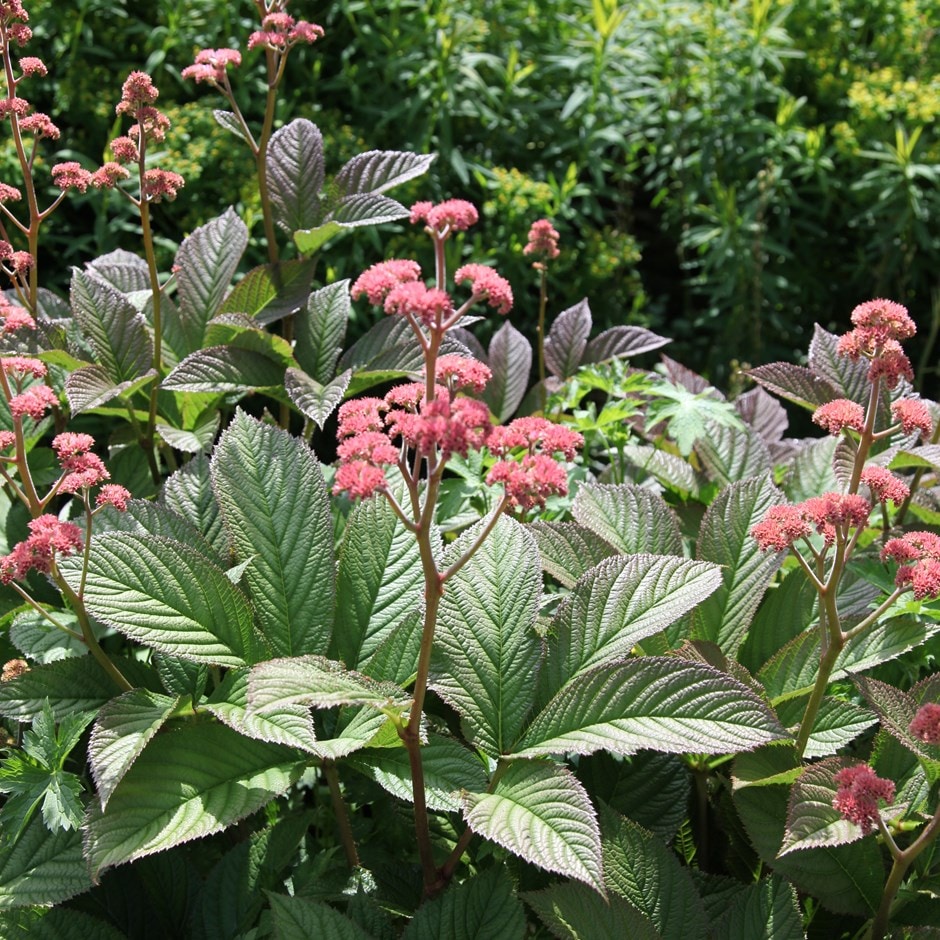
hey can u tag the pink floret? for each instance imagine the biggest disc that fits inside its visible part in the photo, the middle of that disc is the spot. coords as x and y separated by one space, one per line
860 789
926 724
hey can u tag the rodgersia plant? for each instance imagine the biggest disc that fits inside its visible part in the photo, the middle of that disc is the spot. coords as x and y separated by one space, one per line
434 674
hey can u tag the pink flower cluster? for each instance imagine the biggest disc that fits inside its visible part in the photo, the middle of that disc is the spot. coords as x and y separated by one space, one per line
543 243
138 96
15 263
918 557
452 215
14 318
379 280
926 724
47 535
462 373
880 327
211 65
884 485
82 468
859 791
486 285
835 416
279 31
913 416
826 514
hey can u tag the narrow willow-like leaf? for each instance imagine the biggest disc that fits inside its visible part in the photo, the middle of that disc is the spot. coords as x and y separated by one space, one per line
123 729
91 387
225 369
631 518
449 768
275 508
314 680
896 709
573 912
41 867
315 401
646 872
380 580
296 918
615 606
111 323
837 724
189 782
295 175
794 383
812 820
73 685
568 550
486 651
540 812
206 263
320 328
188 493
168 596
768 909
625 341
510 359
725 539
665 705
732 454
268 297
567 339
378 170
482 908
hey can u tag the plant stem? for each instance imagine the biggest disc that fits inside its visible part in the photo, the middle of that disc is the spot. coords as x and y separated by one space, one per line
543 301
341 814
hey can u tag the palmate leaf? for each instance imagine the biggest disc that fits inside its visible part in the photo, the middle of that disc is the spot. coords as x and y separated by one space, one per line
268 297
725 539
616 605
689 416
123 729
568 550
567 339
275 508
486 650
510 359
663 704
168 596
315 401
572 911
380 581
321 329
630 518
540 812
482 908
189 782
295 175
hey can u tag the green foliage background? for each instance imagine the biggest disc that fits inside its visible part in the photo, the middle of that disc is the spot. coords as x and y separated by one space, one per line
724 172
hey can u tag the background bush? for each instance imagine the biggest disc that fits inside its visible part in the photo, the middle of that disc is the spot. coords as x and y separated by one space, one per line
726 173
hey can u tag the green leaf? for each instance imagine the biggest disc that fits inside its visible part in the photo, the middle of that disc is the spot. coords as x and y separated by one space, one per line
768 910
484 907
540 812
39 641
837 724
380 581
616 605
315 401
225 369
295 175
58 924
31 785
896 709
275 508
665 705
320 328
267 296
686 414
567 339
395 659
366 209
41 867
124 728
91 387
486 650
568 550
228 121
378 170
206 263
811 471
197 439
672 471
812 820
181 677
113 327
297 918
646 872
188 493
168 596
725 539
312 239
794 383
510 360
631 518
190 781
731 453
570 910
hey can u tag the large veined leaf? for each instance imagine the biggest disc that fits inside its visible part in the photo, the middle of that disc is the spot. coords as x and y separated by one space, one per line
449 768
896 709
812 820
568 550
377 170
643 869
123 270
59 923
848 376
725 539
510 359
794 383
225 369
315 401
482 908
275 508
572 912
631 518
295 175
168 596
674 472
188 493
395 659
616 605
567 339
626 341
39 641
190 781
366 209
113 327
267 294
195 439
811 471
540 812
320 329
663 704
486 650
41 867
296 918
837 724
206 263
768 909
380 580
91 387
123 729
764 414
731 454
